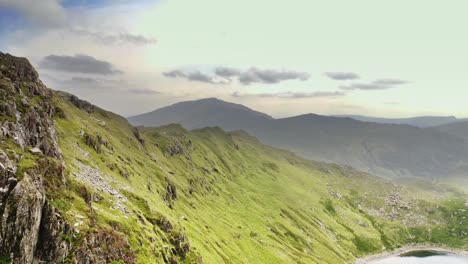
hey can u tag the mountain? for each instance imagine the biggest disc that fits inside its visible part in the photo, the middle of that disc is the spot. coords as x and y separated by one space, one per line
384 149
459 129
79 184
207 112
419 121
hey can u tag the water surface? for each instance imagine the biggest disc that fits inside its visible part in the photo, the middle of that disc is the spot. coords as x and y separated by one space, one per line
424 257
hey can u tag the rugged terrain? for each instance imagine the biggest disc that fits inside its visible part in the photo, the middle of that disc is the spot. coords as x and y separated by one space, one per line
392 150
79 184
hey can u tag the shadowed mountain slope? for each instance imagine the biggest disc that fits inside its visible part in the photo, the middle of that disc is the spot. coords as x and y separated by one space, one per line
202 113
419 121
457 129
384 149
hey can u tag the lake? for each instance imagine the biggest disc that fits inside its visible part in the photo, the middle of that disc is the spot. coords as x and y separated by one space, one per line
424 257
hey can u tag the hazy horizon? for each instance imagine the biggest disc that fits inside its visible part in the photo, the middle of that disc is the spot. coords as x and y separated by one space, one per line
364 58
305 113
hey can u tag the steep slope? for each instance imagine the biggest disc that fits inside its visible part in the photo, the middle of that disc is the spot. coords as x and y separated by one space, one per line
226 198
457 129
419 121
30 161
81 185
460 176
384 149
202 113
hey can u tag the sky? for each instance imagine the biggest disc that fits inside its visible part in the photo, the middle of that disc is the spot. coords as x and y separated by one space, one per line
383 58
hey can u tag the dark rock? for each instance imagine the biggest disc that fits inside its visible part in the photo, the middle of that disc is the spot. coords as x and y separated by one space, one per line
55 235
21 218
175 149
31 230
84 105
137 135
17 69
104 246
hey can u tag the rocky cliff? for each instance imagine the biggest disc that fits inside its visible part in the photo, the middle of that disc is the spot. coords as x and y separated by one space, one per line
31 230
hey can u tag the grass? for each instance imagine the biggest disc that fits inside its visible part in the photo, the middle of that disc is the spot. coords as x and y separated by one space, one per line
237 201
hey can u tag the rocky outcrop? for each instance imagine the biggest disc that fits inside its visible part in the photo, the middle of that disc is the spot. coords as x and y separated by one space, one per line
31 230
21 218
171 193
28 124
103 246
54 236
175 149
81 104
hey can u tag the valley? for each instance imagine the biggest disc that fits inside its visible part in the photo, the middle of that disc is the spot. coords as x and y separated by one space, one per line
82 185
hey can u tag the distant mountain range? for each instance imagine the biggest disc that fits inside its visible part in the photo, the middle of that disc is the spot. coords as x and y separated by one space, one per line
419 121
395 150
459 129
202 113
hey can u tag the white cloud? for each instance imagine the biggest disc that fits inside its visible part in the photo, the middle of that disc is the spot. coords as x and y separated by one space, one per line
307 35
47 13
290 95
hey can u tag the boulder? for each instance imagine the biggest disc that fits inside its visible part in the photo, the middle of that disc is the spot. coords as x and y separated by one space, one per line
35 151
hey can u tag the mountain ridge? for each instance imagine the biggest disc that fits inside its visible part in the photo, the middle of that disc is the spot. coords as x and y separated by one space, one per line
216 110
395 150
418 121
79 184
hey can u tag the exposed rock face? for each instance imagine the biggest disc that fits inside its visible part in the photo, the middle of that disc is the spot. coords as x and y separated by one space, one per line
54 236
29 125
175 149
103 247
81 104
31 231
21 218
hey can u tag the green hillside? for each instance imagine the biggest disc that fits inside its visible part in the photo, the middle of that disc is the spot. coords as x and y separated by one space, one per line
103 191
234 199
384 149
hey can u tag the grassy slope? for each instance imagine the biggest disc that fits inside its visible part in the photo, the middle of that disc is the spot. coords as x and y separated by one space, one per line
237 201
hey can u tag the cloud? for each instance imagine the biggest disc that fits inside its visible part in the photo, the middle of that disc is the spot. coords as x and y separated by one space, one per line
342 75
144 91
116 39
77 64
47 13
291 95
390 82
195 76
227 72
365 86
254 75
84 80
223 75
90 83
380 84
200 77
175 74
79 83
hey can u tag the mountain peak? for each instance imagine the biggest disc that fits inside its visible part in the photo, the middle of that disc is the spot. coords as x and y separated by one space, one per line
206 112
17 68
210 99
